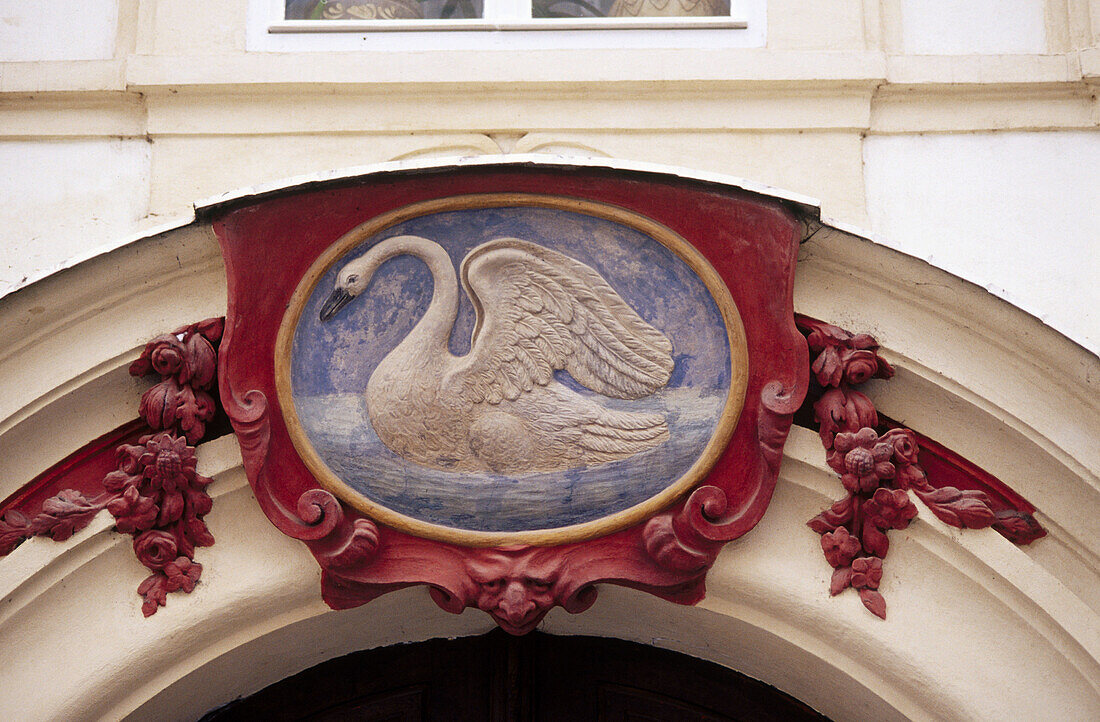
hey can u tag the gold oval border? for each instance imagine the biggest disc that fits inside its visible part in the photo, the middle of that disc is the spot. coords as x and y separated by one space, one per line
735 333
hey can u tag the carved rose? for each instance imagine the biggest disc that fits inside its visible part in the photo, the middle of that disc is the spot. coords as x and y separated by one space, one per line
859 366
905 445
187 355
843 410
840 547
866 573
169 352
865 460
154 549
842 356
133 512
890 509
168 355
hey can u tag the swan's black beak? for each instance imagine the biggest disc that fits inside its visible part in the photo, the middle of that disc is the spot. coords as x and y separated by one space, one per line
339 298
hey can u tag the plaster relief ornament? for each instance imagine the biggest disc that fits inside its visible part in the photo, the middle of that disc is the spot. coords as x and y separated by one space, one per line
607 401
499 408
589 407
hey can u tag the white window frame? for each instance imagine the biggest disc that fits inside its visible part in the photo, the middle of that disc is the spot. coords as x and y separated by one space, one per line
746 27
503 15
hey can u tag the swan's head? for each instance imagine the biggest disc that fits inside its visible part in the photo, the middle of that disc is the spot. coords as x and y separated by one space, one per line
356 274
350 282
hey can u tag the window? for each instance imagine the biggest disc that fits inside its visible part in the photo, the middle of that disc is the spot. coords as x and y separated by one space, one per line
480 25
383 15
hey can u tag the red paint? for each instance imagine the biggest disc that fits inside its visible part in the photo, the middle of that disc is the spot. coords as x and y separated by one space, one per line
878 472
82 470
147 481
752 242
946 468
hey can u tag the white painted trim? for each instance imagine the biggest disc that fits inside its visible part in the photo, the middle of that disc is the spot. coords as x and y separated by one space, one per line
477 24
100 250
268 31
526 159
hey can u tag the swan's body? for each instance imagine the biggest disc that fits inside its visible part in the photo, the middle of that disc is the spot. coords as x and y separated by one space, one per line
499 407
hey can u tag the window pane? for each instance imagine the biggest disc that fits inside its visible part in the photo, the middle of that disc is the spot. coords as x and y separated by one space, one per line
629 8
382 9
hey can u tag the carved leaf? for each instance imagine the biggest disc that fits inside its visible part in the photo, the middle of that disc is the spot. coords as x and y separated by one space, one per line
199 502
842 579
828 368
874 541
185 544
201 361
193 410
158 404
171 508
874 601
199 534
64 514
14 528
836 515
211 328
154 590
962 509
1018 527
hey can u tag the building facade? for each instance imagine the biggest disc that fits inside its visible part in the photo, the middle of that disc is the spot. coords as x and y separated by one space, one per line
963 139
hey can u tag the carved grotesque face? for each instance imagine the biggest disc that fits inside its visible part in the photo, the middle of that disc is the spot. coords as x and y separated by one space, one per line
516 595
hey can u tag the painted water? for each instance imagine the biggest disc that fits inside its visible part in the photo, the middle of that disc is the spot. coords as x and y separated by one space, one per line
345 439
331 364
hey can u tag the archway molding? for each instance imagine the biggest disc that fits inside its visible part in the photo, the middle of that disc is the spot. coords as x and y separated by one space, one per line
978 628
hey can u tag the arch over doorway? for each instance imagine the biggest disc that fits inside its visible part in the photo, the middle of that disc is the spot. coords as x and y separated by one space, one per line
970 613
500 678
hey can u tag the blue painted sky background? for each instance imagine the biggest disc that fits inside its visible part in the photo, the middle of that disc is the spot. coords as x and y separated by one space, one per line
332 362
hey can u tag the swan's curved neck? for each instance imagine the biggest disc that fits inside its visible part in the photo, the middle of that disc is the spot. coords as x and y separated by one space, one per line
432 333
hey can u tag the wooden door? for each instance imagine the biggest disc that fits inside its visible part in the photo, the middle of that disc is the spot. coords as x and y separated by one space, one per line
499 678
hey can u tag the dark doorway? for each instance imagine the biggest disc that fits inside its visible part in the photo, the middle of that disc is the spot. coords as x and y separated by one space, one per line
500 678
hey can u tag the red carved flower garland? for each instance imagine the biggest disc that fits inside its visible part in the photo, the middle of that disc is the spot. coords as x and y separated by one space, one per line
155 495
877 471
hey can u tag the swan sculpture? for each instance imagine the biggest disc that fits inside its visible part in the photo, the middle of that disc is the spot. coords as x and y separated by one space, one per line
499 408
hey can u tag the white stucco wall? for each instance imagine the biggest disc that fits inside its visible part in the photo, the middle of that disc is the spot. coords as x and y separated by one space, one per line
57 30
1013 212
995 27
118 115
62 198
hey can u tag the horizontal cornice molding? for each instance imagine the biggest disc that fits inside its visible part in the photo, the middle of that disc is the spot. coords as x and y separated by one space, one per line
665 90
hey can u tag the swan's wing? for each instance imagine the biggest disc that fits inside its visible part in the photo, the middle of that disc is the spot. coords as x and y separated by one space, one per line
539 311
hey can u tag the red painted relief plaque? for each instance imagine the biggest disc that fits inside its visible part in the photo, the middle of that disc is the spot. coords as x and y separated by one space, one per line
512 383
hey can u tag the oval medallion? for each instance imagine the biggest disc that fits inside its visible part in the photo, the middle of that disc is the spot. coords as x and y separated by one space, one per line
510 368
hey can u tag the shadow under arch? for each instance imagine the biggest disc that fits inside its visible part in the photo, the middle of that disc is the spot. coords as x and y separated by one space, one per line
496 676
